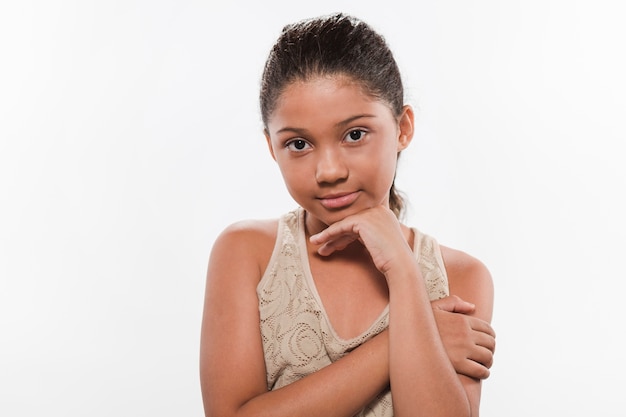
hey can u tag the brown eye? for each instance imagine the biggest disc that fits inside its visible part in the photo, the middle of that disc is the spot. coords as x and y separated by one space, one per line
356 134
297 145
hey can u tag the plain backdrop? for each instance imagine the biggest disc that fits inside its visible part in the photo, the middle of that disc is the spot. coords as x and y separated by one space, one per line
130 137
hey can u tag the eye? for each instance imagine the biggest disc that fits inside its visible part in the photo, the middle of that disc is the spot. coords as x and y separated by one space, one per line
355 135
297 145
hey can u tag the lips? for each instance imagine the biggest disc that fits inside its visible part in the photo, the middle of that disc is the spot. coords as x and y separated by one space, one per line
338 200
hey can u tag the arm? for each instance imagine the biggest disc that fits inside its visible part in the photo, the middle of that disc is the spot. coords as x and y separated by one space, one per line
425 383
470 280
232 367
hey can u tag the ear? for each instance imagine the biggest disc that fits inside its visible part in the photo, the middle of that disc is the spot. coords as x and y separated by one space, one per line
269 143
405 127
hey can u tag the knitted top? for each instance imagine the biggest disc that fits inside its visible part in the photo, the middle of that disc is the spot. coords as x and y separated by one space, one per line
298 338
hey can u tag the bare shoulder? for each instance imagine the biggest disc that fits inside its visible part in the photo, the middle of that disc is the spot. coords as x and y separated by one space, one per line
246 242
460 263
251 230
470 279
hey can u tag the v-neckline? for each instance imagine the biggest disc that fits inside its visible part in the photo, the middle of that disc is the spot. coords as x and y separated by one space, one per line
308 275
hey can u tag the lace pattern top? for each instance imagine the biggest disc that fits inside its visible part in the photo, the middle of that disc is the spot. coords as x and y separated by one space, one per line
298 338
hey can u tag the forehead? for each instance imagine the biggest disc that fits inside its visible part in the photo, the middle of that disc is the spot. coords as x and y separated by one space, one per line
331 96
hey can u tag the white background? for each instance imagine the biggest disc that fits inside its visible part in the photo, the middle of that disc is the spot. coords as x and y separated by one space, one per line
130 137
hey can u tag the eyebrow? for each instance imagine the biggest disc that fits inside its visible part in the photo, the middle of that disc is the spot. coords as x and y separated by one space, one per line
340 124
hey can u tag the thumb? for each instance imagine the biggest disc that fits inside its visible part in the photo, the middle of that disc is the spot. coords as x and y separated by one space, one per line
453 304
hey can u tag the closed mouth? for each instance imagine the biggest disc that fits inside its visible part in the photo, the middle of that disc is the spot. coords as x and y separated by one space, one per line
338 200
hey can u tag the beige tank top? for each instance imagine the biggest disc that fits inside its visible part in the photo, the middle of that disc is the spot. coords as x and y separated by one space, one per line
298 338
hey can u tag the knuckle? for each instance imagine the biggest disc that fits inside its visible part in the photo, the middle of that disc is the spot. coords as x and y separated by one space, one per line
488 362
480 371
484 373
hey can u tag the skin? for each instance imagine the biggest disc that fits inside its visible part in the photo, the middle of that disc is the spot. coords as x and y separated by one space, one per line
325 135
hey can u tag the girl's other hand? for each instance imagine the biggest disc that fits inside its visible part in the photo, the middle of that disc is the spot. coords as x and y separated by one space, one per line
468 341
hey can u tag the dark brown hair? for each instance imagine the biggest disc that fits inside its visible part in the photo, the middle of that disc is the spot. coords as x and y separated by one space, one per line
334 45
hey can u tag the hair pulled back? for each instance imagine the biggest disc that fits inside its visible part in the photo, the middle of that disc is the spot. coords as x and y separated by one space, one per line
337 44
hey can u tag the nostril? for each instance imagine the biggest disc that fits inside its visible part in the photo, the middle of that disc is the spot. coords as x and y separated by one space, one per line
331 173
331 167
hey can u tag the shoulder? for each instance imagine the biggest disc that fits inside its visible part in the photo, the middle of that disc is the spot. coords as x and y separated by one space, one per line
245 243
248 231
469 279
459 262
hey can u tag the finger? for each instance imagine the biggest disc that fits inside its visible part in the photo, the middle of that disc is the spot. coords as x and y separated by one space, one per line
482 326
472 369
336 245
454 304
486 341
333 231
482 356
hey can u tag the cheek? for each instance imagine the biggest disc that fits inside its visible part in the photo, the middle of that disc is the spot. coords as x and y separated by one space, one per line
377 171
295 175
387 173
387 162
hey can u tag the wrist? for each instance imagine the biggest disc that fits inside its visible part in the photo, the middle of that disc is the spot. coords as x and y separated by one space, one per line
403 265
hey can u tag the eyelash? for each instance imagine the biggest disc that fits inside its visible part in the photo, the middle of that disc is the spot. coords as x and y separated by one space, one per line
361 131
291 143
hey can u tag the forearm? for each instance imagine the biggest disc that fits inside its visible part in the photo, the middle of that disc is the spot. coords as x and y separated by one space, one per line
340 389
423 380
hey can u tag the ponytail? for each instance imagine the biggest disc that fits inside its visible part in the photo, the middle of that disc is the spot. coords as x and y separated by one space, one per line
396 202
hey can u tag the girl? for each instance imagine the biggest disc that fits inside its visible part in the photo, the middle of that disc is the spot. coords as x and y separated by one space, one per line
337 308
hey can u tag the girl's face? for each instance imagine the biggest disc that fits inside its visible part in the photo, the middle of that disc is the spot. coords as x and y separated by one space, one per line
337 147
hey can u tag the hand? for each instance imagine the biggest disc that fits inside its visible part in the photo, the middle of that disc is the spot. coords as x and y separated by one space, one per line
469 341
377 228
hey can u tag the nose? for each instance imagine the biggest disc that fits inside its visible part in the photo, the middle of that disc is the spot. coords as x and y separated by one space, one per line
331 167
